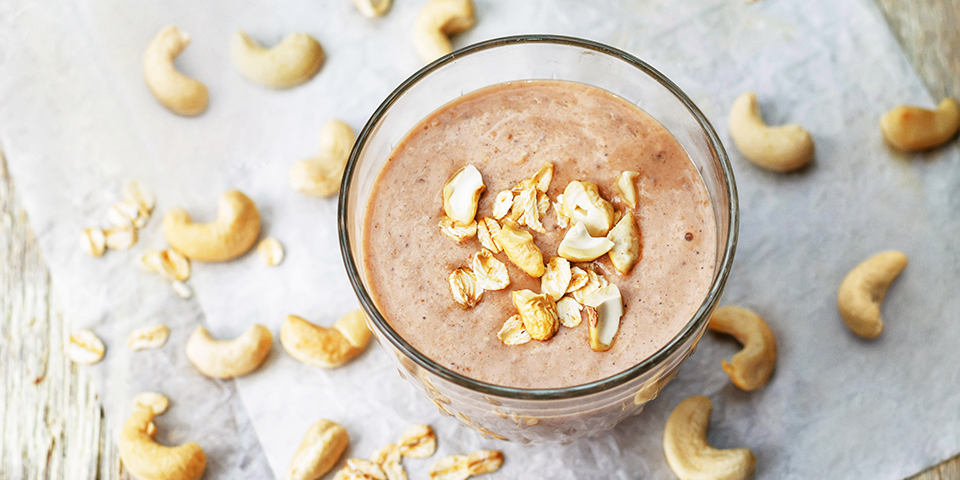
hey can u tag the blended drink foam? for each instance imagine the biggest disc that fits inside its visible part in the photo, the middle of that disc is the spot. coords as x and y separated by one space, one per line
508 132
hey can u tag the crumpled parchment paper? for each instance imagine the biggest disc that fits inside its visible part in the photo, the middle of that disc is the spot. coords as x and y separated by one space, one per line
76 122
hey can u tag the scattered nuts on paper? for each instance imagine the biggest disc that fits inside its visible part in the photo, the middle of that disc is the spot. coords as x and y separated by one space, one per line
270 251
148 337
85 347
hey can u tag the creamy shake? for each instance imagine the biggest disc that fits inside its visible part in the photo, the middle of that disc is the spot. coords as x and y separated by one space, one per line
508 132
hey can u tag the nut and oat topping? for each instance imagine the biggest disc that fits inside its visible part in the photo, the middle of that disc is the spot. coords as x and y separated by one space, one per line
487 231
594 282
525 209
502 204
579 246
463 286
461 195
568 311
582 203
556 278
604 309
627 187
491 274
518 244
457 232
512 332
625 237
578 278
538 313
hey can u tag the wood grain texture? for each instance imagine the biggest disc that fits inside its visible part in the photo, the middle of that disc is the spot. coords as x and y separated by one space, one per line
51 423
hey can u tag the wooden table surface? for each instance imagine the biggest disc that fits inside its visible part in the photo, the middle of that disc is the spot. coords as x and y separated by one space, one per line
51 422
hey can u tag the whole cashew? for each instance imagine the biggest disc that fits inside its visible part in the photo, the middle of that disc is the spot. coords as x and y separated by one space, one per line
781 149
233 233
914 128
689 454
148 460
319 451
174 90
229 358
372 8
751 367
320 176
437 20
294 60
862 291
325 347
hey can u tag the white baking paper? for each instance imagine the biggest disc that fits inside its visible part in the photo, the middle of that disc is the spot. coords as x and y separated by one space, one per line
76 122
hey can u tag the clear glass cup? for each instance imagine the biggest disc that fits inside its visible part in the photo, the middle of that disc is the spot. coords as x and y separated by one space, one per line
537 415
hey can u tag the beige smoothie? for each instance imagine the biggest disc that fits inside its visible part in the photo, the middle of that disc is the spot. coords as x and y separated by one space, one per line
508 132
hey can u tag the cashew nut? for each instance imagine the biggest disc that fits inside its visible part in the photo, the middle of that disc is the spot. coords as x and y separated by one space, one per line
372 8
233 233
325 347
320 176
148 460
781 149
174 90
294 60
437 20
863 289
751 367
229 358
319 451
689 454
914 128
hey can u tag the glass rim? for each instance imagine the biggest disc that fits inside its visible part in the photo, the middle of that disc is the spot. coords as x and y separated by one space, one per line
693 326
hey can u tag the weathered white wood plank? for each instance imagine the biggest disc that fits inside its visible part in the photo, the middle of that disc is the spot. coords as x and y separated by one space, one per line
51 422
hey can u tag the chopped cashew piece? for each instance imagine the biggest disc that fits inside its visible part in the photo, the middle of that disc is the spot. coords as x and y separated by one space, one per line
582 203
490 273
541 180
93 242
538 313
388 457
459 233
145 459
293 61
418 441
270 251
689 454
229 358
360 469
320 176
626 185
233 233
520 249
604 312
627 245
525 210
464 288
563 221
781 149
437 20
461 195
325 347
372 8
914 128
137 193
148 337
502 204
556 278
594 283
512 332
568 311
174 90
156 402
751 367
487 231
121 238
862 291
85 347
578 279
578 246
322 445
